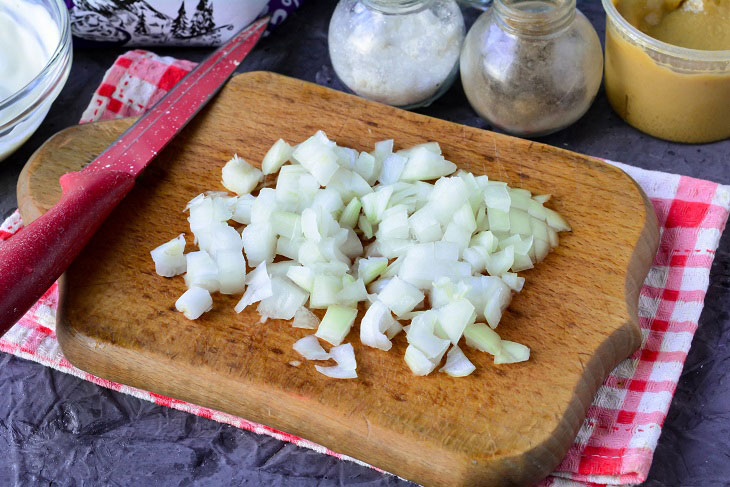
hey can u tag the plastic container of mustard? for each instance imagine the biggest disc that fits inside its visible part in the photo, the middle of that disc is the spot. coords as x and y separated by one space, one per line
670 92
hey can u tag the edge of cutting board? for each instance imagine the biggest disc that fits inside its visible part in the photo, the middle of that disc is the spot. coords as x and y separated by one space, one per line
36 194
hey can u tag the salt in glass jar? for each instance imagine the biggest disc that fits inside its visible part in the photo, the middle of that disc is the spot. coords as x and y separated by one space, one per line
531 67
403 53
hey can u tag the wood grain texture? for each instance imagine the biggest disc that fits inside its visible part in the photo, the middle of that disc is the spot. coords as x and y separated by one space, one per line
503 425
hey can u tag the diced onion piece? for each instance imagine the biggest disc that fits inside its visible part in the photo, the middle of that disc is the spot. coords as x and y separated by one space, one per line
336 324
349 184
259 287
448 195
424 226
317 155
259 242
263 206
287 224
392 168
536 210
464 217
481 219
457 235
455 317
365 167
288 248
542 248
498 220
424 164
201 271
223 237
519 198
497 301
511 352
352 247
309 348
394 224
375 203
304 318
344 355
500 262
476 257
429 146
521 262
557 222
515 282
372 267
376 287
337 372
365 227
457 365
421 335
240 177
483 338
231 271
400 297
374 324
168 257
481 289
539 229
301 276
346 157
519 222
242 209
350 214
418 362
295 188
542 198
485 239
325 291
553 236
277 156
329 200
476 193
382 150
394 329
496 197
352 292
285 300
194 302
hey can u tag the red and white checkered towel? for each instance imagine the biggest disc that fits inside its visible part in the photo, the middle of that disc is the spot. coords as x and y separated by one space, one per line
616 443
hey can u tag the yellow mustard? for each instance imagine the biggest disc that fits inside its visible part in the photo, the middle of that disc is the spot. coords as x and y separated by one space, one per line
674 95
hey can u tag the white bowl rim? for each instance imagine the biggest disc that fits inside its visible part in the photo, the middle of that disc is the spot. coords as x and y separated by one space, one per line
63 45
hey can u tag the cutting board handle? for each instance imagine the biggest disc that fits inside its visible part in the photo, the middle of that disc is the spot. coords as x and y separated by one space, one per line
32 259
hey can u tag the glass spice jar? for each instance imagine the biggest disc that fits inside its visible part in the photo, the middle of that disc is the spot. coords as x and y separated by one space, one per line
399 52
531 67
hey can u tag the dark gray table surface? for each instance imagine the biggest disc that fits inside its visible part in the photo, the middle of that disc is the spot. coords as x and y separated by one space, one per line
58 430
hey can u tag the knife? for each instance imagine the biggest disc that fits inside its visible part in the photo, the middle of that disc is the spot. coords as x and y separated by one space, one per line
32 260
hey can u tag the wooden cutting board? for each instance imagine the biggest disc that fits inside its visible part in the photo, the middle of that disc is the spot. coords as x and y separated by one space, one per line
502 425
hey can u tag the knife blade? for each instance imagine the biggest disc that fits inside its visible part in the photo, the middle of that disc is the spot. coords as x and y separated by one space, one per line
32 260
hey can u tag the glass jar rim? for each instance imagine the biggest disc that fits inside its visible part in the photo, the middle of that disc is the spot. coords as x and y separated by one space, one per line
394 7
64 45
665 48
535 23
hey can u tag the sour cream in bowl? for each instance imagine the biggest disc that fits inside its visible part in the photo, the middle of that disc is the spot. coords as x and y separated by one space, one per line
35 59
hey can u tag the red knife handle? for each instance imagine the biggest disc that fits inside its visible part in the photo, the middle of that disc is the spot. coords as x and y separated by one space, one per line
32 259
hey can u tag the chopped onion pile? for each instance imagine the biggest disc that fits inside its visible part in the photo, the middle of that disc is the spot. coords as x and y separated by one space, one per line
339 228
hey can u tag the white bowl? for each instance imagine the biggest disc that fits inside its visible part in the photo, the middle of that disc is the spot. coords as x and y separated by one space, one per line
22 112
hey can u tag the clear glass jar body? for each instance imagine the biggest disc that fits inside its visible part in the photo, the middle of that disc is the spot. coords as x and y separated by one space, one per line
399 52
531 67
